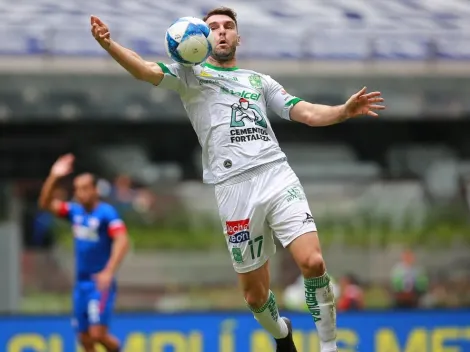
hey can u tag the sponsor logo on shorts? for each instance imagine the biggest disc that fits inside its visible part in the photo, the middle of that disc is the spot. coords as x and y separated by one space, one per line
238 231
295 193
237 255
308 219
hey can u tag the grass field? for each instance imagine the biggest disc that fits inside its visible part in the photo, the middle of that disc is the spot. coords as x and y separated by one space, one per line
199 298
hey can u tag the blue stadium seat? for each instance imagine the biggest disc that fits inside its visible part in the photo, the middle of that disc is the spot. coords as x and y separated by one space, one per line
315 28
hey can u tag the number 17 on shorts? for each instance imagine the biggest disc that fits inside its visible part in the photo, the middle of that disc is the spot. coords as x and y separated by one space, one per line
244 249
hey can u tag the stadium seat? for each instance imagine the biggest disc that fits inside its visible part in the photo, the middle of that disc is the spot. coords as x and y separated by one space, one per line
133 160
312 153
441 179
413 160
321 29
11 104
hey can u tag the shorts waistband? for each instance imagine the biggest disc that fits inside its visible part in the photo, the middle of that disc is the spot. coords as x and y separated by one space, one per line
246 175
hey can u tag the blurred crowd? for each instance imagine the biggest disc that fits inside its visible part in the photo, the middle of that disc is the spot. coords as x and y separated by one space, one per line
410 287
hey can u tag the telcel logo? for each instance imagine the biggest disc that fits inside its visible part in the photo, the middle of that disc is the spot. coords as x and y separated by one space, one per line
243 94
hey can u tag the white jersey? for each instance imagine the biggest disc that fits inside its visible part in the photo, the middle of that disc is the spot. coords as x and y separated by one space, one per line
227 108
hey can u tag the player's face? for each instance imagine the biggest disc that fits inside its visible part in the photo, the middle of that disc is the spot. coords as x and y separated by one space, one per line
226 37
85 190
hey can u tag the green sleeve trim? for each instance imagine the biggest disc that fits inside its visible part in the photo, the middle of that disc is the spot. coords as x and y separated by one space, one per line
165 69
293 101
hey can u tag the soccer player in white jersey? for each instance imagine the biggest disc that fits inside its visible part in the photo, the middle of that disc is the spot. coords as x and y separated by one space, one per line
258 194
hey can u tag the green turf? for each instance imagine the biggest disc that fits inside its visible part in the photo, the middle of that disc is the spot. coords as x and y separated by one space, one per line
200 298
439 227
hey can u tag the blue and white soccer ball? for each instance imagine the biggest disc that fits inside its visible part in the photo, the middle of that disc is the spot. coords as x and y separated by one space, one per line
189 41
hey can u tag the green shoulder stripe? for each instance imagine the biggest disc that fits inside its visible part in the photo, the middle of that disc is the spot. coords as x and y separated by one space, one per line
165 69
294 101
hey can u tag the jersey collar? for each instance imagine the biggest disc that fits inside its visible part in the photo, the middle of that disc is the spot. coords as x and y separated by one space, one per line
217 68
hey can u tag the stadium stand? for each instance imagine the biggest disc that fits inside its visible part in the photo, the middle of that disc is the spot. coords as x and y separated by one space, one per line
425 28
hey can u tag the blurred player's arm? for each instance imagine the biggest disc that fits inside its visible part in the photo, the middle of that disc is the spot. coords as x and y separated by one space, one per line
62 167
118 232
134 64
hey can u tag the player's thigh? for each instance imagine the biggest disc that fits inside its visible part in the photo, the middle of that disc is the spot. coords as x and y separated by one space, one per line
100 306
291 220
80 310
249 239
290 216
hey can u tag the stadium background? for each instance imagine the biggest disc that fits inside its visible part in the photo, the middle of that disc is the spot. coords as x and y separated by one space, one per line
390 196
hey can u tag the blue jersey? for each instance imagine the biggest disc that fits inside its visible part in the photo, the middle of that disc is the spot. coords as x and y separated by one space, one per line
93 234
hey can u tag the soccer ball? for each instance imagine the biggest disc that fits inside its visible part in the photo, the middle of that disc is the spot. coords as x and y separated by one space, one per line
189 41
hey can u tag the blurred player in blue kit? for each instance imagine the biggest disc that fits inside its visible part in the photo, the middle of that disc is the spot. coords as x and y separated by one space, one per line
101 244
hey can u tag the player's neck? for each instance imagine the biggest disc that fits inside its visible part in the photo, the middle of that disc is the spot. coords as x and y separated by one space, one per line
227 64
90 207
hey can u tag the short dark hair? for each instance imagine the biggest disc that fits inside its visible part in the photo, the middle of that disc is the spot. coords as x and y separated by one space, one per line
94 178
227 11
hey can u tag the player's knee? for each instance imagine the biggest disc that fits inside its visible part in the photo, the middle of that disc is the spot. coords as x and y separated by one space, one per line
256 298
313 265
97 335
86 341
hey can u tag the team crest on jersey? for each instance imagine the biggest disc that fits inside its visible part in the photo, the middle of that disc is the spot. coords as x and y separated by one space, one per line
255 81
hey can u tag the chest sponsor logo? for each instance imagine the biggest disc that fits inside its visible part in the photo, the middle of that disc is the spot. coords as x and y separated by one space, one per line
85 233
245 113
245 94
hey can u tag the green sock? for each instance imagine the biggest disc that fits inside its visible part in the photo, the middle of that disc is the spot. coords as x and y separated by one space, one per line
321 304
269 319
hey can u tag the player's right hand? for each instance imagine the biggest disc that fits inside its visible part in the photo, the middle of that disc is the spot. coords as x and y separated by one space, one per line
63 166
100 32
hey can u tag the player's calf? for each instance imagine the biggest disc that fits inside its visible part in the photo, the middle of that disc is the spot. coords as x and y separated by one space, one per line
87 342
262 302
100 335
318 289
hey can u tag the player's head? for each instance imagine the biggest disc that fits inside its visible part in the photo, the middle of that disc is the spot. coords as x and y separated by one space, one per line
86 189
408 257
223 23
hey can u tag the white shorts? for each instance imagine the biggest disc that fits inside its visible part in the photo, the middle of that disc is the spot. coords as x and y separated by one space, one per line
255 206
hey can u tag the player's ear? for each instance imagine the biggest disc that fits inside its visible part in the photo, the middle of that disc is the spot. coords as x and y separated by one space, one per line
238 40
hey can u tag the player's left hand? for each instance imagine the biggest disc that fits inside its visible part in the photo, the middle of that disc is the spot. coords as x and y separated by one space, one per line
103 280
363 103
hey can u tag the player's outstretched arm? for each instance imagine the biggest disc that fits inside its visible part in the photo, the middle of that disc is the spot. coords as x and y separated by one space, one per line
128 59
361 103
62 167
